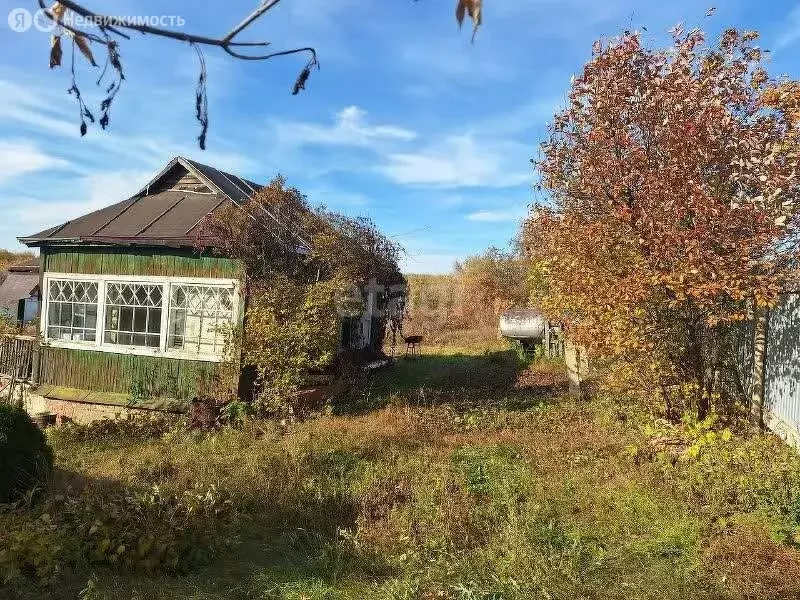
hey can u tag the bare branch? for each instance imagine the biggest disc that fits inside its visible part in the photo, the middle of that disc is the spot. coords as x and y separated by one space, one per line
274 54
114 25
111 24
265 6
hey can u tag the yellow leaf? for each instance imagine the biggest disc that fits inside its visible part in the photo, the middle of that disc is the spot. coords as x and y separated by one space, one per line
58 11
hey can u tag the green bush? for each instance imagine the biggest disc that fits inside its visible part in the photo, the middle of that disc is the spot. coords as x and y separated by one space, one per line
25 458
145 529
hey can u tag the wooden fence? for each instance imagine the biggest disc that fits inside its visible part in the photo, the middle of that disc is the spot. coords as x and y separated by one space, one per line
17 355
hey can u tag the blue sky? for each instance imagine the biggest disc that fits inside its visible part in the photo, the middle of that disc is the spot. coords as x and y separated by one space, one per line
406 121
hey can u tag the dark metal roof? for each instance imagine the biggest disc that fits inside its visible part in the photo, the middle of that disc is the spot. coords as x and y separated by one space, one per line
18 285
162 218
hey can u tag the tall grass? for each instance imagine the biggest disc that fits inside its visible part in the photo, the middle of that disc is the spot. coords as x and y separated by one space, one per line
497 487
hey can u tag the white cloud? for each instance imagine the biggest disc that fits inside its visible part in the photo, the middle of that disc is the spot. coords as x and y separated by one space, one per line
35 109
91 193
350 128
39 110
461 161
496 216
18 157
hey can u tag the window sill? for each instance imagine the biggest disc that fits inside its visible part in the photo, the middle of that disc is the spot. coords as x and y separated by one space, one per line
131 350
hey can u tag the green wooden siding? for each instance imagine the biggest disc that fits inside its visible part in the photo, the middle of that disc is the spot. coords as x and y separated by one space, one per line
138 376
145 261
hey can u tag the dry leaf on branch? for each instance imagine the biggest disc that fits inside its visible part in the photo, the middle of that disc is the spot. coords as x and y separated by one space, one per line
58 12
55 51
83 46
473 8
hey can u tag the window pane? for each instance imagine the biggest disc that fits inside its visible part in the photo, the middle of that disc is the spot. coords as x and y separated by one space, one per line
53 314
66 315
133 314
71 310
79 315
198 314
126 319
91 317
154 324
140 319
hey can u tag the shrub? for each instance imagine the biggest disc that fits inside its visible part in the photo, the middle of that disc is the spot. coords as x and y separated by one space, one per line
146 529
292 330
149 529
132 427
31 547
25 458
726 473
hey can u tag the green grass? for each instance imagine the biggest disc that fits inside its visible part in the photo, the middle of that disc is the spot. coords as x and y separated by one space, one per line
460 475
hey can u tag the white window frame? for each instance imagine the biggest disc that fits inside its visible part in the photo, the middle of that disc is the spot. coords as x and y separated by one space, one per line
166 282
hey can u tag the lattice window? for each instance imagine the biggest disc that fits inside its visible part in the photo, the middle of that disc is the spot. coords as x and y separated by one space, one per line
198 316
72 310
133 314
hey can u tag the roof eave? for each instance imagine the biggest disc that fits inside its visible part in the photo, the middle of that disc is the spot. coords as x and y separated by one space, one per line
161 241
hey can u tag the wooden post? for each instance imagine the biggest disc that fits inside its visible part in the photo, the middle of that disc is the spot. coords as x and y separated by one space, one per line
35 359
577 364
547 346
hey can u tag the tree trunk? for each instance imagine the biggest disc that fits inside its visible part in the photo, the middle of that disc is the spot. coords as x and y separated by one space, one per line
703 404
760 319
698 369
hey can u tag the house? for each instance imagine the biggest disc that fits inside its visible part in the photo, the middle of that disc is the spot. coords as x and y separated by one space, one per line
19 293
131 309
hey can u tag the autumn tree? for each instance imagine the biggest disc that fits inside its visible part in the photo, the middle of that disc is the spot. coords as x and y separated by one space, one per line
300 264
489 283
672 204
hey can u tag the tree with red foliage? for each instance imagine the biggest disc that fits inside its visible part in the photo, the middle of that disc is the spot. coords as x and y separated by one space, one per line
673 202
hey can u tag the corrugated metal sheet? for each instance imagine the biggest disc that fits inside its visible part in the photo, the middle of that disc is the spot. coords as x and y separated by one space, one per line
782 369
